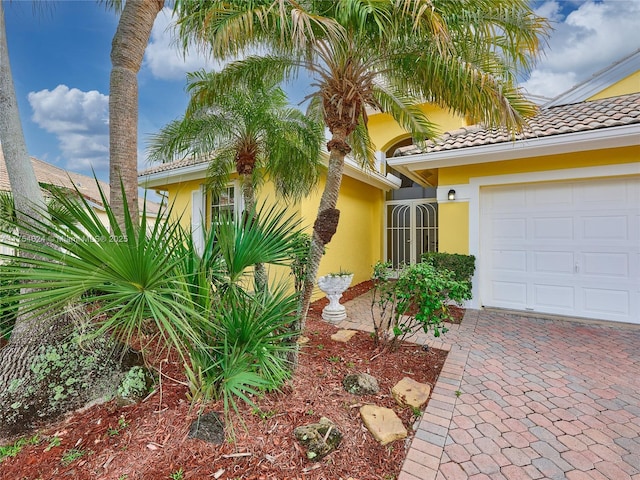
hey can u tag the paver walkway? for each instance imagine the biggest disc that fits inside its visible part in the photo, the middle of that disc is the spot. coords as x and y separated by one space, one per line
538 398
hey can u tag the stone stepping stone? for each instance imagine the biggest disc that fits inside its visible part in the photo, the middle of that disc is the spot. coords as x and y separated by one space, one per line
343 335
409 392
320 439
360 384
382 423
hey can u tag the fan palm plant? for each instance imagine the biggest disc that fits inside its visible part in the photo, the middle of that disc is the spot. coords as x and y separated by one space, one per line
250 129
152 275
387 56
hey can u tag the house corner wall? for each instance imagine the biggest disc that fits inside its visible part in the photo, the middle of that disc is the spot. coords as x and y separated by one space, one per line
453 227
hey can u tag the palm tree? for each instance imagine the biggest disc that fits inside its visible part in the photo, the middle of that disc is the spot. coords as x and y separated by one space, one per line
27 199
127 50
250 129
48 329
26 191
386 55
31 333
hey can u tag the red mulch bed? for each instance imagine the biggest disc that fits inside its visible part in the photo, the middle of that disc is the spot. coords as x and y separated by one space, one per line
151 441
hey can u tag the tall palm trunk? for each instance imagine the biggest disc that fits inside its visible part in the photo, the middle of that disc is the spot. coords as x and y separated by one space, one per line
326 222
127 51
249 200
26 396
28 199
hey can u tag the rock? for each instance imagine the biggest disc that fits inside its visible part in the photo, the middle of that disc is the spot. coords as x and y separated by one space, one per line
135 386
343 335
208 427
409 392
382 423
360 384
62 368
320 439
302 340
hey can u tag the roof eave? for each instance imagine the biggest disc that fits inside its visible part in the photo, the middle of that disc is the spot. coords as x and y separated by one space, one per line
599 81
371 177
177 175
613 137
158 180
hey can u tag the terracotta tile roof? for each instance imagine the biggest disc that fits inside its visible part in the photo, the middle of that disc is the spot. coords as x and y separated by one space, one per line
53 175
579 117
165 167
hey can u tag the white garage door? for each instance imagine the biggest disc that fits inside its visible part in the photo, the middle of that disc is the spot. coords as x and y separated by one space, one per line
562 248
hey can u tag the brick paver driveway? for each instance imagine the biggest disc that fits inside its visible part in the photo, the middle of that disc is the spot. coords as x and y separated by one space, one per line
527 398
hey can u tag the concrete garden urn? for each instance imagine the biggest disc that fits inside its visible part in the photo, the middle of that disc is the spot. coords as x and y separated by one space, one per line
334 285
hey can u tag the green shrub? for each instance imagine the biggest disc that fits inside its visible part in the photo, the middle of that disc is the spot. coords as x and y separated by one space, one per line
462 266
248 347
233 342
418 300
299 255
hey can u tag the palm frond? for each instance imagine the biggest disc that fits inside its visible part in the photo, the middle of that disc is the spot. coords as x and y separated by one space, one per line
128 274
260 238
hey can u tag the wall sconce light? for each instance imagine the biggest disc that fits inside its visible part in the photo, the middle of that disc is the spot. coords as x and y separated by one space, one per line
452 194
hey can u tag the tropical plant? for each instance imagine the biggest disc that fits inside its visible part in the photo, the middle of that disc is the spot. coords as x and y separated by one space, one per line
386 55
462 266
29 334
250 129
8 209
9 289
28 205
249 345
299 259
233 342
420 299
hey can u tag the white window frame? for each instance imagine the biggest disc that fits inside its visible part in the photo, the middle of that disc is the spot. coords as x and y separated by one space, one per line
238 204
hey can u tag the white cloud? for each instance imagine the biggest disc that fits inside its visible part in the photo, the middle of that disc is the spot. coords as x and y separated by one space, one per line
591 37
79 120
163 55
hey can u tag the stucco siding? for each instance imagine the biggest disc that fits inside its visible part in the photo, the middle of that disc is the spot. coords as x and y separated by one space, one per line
385 131
179 197
357 245
630 84
462 174
453 228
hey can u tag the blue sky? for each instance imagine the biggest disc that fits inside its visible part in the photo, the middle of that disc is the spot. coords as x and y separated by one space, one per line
60 62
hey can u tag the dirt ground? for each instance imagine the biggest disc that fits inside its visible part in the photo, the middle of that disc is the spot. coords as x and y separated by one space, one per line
149 440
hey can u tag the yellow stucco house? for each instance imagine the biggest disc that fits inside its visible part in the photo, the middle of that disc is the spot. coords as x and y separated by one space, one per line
552 217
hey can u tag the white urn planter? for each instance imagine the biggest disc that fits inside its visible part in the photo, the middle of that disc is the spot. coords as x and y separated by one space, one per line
334 285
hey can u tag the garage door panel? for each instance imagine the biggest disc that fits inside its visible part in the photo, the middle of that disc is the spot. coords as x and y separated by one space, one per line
509 201
510 261
606 264
604 193
553 228
553 262
599 301
510 228
569 248
513 294
554 297
552 195
614 227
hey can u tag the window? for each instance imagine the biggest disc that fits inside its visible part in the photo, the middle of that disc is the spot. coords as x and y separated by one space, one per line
224 205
